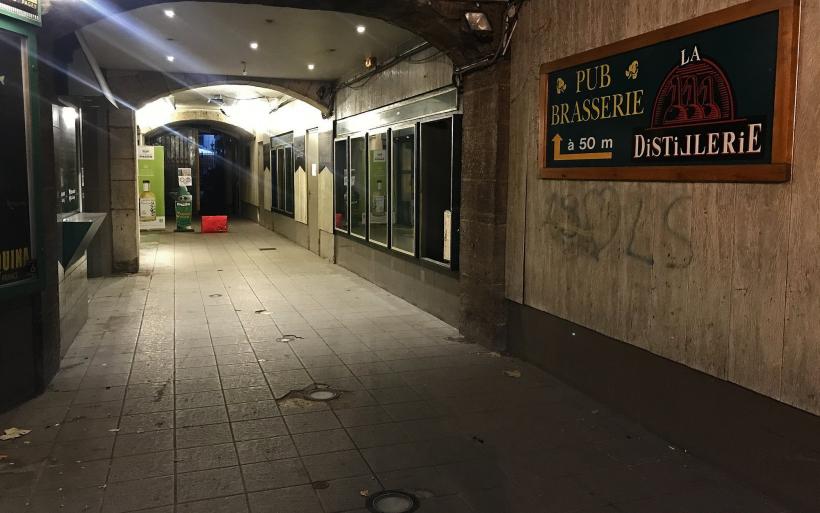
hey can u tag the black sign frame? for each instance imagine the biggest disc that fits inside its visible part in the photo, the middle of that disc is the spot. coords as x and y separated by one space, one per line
776 169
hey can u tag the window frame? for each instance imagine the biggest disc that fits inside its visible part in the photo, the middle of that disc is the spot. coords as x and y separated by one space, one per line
283 142
393 128
388 164
365 173
455 190
345 183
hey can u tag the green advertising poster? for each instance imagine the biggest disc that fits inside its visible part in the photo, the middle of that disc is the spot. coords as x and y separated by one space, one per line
151 162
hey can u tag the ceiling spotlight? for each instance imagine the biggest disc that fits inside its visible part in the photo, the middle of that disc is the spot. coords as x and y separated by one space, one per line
170 13
311 67
170 58
478 21
360 29
254 45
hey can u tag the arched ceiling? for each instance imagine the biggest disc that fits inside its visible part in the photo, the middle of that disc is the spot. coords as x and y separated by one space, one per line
440 22
214 38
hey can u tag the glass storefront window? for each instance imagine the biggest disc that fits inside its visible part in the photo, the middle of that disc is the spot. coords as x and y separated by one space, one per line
358 186
377 187
340 181
436 190
403 204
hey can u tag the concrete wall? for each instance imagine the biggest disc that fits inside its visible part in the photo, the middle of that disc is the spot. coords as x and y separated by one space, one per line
73 301
723 278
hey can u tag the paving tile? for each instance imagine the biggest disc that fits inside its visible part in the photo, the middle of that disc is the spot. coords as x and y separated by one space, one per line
247 395
315 421
266 449
142 443
71 475
146 422
274 474
346 494
335 465
83 450
188 386
253 410
322 441
86 500
137 495
201 416
206 457
296 499
199 399
376 435
258 428
206 484
363 416
211 434
232 504
142 466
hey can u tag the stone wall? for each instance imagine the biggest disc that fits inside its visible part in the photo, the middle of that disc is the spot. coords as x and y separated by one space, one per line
723 278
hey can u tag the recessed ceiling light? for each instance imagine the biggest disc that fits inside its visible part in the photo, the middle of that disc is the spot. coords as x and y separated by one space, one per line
254 45
170 58
170 13
311 67
360 29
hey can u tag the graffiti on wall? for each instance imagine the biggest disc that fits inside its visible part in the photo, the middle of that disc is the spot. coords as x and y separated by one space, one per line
589 223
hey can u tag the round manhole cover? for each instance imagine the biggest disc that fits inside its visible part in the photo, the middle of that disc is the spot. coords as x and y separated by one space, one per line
392 501
322 395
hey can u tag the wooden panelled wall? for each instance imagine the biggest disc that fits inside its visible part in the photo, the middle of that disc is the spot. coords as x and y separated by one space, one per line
724 278
423 72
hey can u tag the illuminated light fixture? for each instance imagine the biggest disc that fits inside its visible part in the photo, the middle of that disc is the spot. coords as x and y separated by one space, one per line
169 13
169 58
478 21
254 45
311 67
360 29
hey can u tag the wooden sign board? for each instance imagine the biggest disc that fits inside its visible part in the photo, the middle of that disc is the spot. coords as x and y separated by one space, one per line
709 99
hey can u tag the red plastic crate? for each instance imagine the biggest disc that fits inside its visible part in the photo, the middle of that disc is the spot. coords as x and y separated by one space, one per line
214 224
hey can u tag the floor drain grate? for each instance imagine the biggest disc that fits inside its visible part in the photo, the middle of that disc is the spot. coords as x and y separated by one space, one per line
392 501
319 392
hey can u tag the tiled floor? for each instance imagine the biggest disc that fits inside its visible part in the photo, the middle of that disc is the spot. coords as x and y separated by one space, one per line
175 398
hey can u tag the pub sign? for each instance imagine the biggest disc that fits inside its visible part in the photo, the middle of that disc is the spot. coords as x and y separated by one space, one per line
710 99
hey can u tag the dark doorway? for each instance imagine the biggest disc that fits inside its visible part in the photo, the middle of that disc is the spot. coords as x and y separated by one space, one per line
217 160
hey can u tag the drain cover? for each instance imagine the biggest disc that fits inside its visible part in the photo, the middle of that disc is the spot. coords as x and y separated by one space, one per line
322 395
392 501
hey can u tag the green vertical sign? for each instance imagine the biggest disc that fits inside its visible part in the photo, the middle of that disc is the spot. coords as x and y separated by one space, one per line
151 162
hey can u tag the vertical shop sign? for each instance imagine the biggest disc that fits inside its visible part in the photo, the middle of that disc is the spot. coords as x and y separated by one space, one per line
16 249
151 160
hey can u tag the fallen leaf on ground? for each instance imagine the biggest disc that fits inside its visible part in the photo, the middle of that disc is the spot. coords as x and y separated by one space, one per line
14 432
113 430
364 493
513 373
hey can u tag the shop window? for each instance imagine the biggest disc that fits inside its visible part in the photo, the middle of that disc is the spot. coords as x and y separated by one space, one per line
340 184
358 186
403 195
437 196
377 160
65 128
282 174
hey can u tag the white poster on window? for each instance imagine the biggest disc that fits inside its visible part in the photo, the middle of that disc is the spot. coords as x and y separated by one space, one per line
448 216
185 178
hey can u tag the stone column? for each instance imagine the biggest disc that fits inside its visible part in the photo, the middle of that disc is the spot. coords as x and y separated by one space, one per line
122 156
484 163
